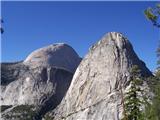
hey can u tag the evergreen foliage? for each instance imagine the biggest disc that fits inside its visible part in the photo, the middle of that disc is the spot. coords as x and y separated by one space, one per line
153 14
133 98
152 109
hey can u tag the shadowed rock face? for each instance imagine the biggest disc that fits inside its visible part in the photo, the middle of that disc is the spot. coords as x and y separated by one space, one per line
94 93
43 78
32 86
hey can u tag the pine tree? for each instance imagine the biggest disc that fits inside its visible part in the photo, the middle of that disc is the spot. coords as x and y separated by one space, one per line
133 101
156 89
152 109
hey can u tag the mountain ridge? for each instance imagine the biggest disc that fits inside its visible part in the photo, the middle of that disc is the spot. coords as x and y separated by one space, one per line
57 82
94 92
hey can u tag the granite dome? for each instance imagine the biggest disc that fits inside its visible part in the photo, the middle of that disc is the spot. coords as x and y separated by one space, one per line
56 55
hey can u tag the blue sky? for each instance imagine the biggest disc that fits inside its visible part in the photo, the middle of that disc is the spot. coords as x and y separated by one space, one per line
32 25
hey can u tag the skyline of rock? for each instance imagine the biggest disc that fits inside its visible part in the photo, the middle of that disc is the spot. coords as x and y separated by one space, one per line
43 80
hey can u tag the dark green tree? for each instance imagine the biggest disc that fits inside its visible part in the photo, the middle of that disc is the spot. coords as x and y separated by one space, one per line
133 99
152 109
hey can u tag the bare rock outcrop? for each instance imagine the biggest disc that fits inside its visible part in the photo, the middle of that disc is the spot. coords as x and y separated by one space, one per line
59 55
95 90
43 78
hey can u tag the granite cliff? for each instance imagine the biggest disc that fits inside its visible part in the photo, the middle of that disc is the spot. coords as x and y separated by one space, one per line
95 90
41 80
42 84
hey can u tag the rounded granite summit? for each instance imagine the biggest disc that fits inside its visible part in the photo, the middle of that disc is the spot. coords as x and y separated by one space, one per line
58 55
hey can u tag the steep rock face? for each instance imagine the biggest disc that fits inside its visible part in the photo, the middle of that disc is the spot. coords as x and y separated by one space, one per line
34 85
94 93
42 78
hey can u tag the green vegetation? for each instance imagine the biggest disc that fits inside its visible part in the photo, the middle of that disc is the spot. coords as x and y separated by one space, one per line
133 102
47 117
153 14
25 112
133 98
152 110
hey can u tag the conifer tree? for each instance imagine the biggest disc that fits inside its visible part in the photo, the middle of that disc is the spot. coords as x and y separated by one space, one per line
152 109
133 101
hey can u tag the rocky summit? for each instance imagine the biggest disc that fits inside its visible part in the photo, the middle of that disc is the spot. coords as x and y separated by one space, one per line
43 87
41 80
58 55
95 90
